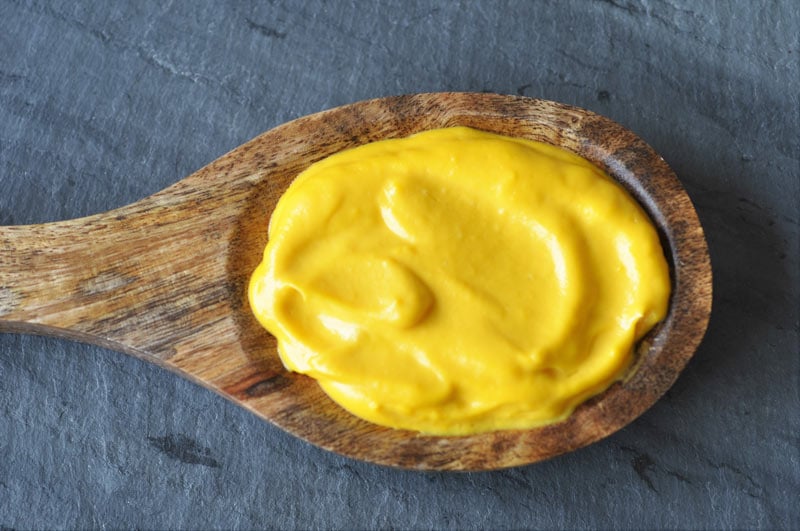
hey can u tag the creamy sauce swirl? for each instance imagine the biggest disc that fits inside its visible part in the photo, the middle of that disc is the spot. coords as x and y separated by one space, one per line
457 281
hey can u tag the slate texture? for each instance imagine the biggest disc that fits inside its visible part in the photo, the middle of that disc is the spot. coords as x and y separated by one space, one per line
103 103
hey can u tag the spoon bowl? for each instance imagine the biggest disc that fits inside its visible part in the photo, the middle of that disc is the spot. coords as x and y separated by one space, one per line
165 279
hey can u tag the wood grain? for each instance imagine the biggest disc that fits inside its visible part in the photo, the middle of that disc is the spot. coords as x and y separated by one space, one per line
164 279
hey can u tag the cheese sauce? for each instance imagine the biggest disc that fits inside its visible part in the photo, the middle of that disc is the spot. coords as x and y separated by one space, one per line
456 281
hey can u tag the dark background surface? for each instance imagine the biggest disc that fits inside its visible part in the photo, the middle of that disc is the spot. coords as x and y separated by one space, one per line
103 103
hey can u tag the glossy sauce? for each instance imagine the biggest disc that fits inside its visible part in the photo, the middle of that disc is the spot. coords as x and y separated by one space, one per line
457 282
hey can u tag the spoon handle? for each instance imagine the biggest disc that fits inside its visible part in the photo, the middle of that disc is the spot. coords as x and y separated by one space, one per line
54 278
123 279
161 279
98 280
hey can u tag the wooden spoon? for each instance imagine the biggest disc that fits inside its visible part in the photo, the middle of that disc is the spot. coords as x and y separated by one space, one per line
165 278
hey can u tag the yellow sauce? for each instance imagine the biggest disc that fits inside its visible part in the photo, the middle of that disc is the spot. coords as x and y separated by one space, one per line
458 282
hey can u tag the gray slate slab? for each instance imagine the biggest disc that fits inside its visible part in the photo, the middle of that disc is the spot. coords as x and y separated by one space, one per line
103 103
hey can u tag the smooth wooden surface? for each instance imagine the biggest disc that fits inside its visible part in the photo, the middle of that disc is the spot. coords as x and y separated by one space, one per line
164 279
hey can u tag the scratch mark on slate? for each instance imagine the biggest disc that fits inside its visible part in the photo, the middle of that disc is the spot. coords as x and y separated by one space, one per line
349 471
642 464
645 467
10 77
518 479
184 449
265 30
625 6
749 485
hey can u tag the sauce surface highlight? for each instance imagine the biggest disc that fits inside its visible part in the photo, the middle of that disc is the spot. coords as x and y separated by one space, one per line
457 281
